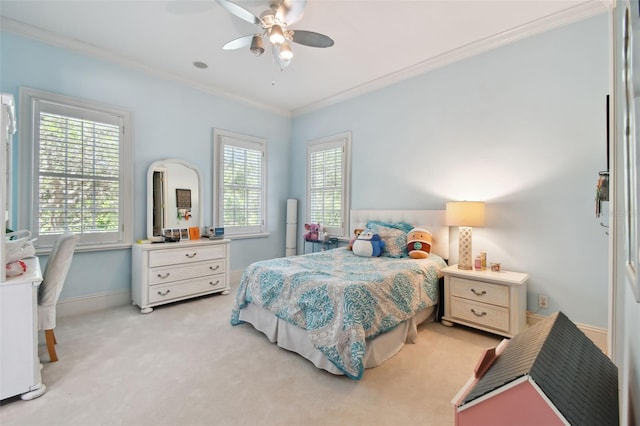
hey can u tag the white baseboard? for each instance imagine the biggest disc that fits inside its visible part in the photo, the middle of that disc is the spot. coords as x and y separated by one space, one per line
597 335
95 302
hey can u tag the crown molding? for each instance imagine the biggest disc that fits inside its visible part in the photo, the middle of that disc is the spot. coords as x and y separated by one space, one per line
53 39
577 13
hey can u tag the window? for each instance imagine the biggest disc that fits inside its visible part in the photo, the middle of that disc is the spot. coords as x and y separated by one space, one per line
241 183
328 171
81 176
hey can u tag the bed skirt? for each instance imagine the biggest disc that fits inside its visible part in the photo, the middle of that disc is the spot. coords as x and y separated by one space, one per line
294 339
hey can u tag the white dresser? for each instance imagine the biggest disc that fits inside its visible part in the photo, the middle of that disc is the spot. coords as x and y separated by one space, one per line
168 272
19 362
486 300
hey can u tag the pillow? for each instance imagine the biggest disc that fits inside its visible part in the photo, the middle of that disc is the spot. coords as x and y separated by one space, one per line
394 236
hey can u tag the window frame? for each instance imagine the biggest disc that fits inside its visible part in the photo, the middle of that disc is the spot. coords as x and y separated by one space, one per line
327 143
220 139
28 205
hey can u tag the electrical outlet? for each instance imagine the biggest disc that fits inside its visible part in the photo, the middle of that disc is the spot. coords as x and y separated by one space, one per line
543 301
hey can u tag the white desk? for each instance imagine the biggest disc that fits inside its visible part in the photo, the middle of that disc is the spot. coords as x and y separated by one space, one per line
19 362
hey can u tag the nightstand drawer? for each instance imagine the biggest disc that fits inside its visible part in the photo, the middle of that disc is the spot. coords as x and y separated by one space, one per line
494 294
480 313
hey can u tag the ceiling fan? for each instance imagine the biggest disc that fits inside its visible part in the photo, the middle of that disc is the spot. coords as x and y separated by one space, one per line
274 25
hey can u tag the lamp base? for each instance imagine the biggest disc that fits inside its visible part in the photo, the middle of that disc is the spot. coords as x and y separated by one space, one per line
464 248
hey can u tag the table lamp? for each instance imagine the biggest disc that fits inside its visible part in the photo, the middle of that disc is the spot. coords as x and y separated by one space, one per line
465 214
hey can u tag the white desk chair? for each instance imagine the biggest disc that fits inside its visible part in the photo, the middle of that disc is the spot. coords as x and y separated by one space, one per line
55 273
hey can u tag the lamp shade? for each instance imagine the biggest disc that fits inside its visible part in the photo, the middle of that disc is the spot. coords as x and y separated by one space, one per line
465 213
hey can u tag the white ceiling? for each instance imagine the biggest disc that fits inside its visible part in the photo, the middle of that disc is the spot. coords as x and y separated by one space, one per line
376 42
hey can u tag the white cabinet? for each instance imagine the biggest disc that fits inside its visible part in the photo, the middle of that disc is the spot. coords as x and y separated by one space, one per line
168 272
19 362
486 300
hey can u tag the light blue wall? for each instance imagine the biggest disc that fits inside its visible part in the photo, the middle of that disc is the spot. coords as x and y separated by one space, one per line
170 120
521 127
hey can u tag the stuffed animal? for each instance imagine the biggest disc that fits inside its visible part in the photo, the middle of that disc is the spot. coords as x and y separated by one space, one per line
313 231
356 232
368 244
419 243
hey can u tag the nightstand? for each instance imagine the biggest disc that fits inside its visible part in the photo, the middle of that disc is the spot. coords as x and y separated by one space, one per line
486 300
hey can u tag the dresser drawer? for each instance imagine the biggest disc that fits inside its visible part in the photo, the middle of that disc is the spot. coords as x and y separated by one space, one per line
159 293
178 272
185 255
494 294
480 313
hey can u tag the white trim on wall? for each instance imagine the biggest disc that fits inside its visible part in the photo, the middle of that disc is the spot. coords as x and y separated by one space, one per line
577 13
101 301
599 336
57 40
574 14
96 302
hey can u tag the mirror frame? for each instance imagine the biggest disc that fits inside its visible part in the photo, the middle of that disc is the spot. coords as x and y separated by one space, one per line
164 164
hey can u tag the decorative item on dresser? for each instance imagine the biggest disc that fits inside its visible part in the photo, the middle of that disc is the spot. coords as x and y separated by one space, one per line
168 272
465 214
487 300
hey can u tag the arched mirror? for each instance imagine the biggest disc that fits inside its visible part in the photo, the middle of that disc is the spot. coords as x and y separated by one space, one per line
174 204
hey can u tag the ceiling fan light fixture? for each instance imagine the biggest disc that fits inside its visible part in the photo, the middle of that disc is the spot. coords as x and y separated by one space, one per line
285 51
257 46
276 36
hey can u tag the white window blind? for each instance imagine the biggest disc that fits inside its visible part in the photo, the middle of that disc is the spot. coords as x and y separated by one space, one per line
327 183
241 195
79 173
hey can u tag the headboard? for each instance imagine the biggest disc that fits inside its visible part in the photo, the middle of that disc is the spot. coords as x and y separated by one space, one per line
433 220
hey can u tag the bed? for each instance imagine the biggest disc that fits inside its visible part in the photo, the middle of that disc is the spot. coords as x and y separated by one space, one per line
342 312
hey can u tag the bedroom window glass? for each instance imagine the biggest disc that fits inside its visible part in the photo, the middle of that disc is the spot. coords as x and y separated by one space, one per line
328 175
241 183
81 178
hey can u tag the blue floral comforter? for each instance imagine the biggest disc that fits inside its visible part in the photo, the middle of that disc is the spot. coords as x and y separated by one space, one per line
341 299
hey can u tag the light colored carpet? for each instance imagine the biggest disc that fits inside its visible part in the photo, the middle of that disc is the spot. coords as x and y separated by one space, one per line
184 364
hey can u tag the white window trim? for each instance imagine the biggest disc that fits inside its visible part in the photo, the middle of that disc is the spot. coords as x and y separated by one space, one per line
219 136
28 173
343 139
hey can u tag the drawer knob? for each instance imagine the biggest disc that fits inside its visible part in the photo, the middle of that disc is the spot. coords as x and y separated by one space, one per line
164 275
478 293
190 256
214 269
164 293
214 284
478 314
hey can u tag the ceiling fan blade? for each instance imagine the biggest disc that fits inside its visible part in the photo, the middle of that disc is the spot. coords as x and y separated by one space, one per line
240 12
238 43
309 38
291 11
